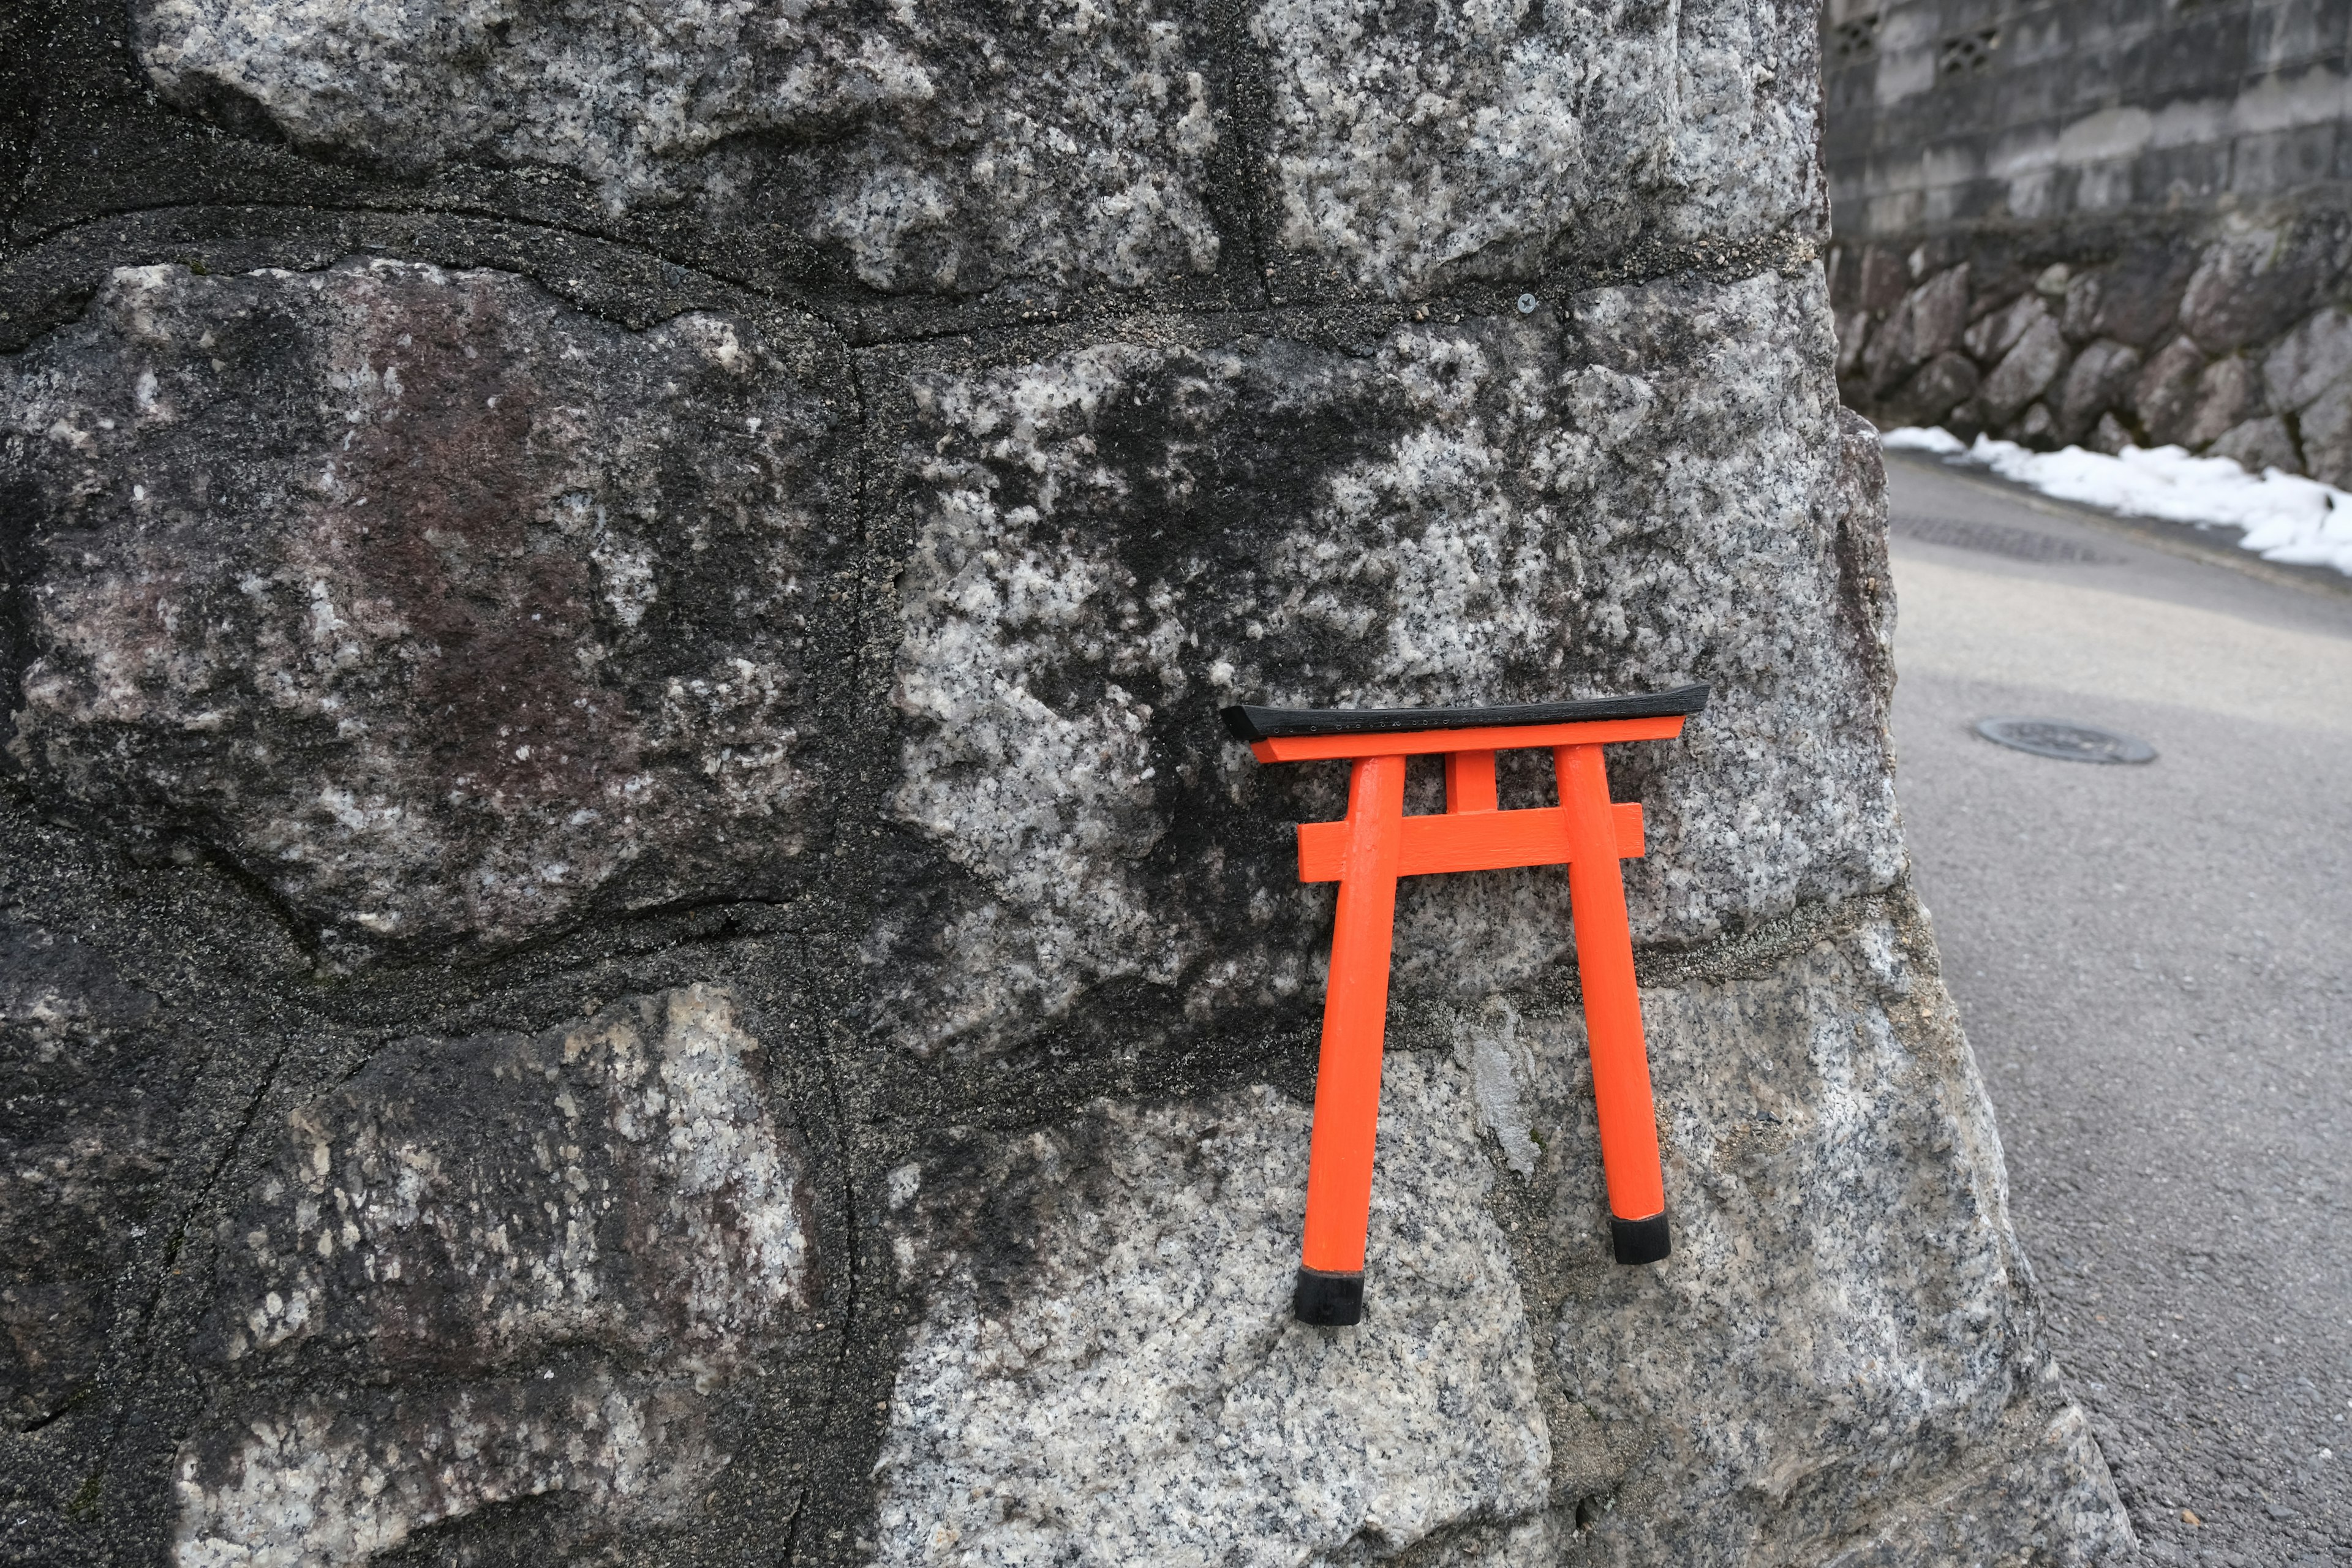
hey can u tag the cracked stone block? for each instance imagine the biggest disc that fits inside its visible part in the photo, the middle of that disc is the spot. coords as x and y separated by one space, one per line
89 1092
1107 540
1413 148
496 1269
935 149
1107 1370
449 613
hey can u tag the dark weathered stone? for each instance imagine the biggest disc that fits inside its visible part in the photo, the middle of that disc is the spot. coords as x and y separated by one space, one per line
950 151
1997 333
2026 370
1409 147
2098 380
2309 361
495 1268
1094 566
2164 396
2259 443
2229 393
1942 385
2326 428
2248 288
1046 1398
448 613
1928 322
89 1096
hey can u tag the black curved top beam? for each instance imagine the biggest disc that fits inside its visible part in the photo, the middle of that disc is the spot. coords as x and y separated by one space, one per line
1247 723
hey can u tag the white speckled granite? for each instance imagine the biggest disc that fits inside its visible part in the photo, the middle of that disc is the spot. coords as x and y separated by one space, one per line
923 148
1106 540
1416 147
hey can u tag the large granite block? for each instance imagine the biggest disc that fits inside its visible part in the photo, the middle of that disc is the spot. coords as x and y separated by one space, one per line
1099 541
490 1270
447 613
1839 1363
944 150
1412 147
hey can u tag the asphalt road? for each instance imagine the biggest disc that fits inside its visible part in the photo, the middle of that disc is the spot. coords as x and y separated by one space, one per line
2154 968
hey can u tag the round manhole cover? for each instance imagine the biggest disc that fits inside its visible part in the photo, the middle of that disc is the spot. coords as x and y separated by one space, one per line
2068 742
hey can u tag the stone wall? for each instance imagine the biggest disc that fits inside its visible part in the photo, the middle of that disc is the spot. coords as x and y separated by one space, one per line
2124 221
629 934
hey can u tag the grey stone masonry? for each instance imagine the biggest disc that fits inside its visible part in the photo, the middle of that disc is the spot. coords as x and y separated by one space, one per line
628 934
2140 212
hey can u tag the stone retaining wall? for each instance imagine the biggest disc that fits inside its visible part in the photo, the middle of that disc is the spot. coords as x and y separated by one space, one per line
2097 224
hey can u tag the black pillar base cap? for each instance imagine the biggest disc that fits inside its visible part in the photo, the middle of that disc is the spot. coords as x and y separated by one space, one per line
1328 1300
1640 1241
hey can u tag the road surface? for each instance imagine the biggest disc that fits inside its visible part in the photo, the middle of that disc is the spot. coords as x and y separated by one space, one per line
2154 968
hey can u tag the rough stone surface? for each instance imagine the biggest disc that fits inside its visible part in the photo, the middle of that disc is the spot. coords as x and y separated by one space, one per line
939 150
447 613
2229 392
1928 322
2025 371
2327 430
496 1268
2164 396
2259 443
1942 385
1093 565
1411 147
1133 1379
86 1118
1128 1376
2309 361
2101 373
630 936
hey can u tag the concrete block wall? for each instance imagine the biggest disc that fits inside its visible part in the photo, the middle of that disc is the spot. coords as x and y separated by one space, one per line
2120 221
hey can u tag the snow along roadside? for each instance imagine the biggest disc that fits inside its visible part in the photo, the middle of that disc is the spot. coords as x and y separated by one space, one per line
2286 516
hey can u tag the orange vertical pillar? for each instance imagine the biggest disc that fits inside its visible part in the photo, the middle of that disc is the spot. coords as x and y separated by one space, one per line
1330 1289
1612 1011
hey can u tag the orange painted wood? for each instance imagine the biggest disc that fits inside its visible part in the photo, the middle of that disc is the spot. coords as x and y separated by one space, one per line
1495 738
1467 841
1613 1006
1355 1016
1469 781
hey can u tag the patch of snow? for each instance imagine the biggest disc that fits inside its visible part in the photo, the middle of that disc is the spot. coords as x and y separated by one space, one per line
2285 516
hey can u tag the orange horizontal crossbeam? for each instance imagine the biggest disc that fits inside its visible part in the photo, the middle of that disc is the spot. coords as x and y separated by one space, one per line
1465 841
1493 738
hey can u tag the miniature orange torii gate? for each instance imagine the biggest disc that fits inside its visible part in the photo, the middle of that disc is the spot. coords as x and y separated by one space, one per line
1378 843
